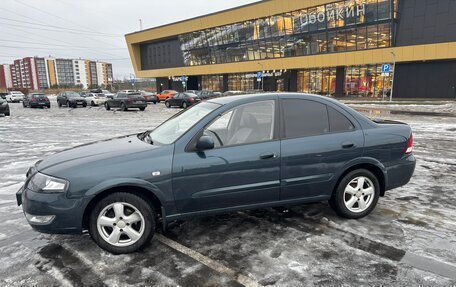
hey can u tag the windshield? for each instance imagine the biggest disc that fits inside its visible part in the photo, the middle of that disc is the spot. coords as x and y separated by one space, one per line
176 126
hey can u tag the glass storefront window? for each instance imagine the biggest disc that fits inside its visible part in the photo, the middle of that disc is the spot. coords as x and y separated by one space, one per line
360 81
348 25
212 82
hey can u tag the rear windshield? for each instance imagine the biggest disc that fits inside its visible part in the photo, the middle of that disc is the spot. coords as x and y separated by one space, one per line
72 94
39 96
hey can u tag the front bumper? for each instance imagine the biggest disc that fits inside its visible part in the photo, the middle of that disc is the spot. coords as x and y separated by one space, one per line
400 173
67 213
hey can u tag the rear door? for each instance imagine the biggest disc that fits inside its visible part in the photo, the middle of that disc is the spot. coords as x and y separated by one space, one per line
318 140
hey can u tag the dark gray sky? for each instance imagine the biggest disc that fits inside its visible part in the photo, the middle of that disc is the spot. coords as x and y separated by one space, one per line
91 29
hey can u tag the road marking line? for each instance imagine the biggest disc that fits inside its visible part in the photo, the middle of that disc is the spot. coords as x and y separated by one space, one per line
214 265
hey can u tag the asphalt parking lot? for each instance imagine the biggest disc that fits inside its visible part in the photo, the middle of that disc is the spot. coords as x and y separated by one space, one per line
410 239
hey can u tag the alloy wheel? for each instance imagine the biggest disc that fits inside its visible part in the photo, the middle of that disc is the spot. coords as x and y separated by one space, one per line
120 224
359 194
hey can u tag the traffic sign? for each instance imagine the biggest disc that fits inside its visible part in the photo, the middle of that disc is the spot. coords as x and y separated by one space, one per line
184 79
259 75
386 69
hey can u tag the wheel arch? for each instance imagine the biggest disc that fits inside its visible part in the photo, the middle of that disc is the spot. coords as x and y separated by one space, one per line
376 168
146 194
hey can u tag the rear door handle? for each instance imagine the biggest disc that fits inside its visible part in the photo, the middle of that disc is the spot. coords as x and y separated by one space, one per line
348 145
268 155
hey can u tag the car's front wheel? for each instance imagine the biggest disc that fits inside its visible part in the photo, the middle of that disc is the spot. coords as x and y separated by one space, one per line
356 195
122 223
107 106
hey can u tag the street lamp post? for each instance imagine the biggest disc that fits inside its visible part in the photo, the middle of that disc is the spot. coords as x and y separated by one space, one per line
394 74
262 72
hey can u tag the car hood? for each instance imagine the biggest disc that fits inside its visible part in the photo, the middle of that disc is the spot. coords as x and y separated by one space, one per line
97 151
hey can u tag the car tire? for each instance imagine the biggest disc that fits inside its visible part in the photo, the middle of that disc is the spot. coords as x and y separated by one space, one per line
167 104
7 114
92 103
68 104
142 109
356 195
107 107
116 210
59 104
123 107
23 104
155 102
184 105
84 105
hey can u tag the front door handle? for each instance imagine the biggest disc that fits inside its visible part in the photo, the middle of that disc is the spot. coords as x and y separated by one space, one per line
348 145
268 155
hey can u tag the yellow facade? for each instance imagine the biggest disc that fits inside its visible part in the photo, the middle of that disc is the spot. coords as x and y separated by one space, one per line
52 72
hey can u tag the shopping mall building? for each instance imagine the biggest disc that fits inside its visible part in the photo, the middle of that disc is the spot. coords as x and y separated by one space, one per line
312 46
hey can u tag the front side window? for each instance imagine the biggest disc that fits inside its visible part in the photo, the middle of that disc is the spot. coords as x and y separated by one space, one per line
303 118
176 126
249 123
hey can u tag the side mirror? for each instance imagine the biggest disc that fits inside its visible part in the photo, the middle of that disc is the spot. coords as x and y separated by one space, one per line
110 97
205 143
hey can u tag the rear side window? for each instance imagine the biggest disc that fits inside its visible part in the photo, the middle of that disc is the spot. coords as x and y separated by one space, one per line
304 118
338 122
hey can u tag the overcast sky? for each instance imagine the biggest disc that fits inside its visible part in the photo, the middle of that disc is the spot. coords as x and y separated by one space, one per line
89 29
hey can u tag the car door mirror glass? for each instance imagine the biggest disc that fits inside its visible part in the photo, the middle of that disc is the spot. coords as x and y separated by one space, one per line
205 143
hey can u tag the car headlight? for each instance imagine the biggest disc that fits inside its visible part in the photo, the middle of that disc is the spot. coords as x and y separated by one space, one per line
47 184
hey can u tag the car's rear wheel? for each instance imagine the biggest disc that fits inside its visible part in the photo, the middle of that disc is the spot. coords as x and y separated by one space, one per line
123 107
184 105
59 104
356 195
142 109
7 114
107 106
122 223
167 104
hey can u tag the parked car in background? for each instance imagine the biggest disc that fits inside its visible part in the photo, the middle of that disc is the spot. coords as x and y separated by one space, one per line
182 100
95 99
222 155
15 97
36 100
4 107
107 93
233 93
149 97
126 101
3 95
166 94
205 94
70 99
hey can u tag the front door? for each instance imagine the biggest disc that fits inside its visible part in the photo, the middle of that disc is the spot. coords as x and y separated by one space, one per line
242 169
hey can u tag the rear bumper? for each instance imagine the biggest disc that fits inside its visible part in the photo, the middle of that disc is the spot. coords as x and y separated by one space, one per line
4 109
400 173
68 213
137 106
37 105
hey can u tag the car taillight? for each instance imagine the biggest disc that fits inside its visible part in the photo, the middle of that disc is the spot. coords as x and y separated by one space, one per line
191 100
46 99
409 145
33 99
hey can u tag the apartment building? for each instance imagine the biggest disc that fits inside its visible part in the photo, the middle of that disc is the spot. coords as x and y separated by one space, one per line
39 73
